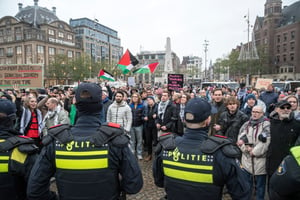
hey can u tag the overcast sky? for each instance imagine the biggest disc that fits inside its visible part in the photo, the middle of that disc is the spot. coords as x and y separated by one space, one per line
145 24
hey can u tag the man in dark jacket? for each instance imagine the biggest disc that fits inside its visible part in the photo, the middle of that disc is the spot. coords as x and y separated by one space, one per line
89 161
196 167
167 115
284 132
17 155
218 104
269 97
231 120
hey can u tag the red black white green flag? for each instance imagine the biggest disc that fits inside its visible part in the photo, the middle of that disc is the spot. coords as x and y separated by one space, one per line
150 68
127 62
106 75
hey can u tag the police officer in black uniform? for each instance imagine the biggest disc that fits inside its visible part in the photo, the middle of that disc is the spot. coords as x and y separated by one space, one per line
17 155
285 182
197 167
90 160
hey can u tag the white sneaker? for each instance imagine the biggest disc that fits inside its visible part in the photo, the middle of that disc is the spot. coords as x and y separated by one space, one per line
140 157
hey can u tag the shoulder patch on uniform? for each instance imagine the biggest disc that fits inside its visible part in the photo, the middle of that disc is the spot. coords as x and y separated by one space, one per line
167 141
60 132
213 143
281 170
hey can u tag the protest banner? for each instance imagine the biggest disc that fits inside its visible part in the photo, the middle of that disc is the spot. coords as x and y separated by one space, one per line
175 82
23 75
263 83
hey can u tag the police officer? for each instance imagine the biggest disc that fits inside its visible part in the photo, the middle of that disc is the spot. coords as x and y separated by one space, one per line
17 155
90 160
285 182
197 167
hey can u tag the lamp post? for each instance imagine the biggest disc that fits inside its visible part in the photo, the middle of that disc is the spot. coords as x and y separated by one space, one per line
205 58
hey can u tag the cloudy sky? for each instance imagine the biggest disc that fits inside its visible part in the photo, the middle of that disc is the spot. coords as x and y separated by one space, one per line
145 24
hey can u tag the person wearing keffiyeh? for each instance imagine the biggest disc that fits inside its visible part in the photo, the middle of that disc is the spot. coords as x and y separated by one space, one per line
167 115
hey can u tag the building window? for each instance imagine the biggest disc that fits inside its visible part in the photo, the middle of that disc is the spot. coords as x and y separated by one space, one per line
284 58
278 48
60 34
8 31
9 51
146 57
284 48
278 59
1 32
18 37
292 45
293 34
70 54
292 57
18 29
51 32
285 37
291 69
51 51
40 49
1 51
70 37
19 50
28 49
278 38
152 56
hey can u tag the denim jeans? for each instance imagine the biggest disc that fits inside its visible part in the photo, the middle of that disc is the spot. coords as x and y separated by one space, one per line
260 185
136 140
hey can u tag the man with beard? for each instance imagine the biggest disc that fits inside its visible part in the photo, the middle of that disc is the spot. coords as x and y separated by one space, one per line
119 112
284 132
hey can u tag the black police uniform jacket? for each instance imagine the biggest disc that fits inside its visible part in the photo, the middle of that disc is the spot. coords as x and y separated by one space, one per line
17 156
83 168
285 182
187 173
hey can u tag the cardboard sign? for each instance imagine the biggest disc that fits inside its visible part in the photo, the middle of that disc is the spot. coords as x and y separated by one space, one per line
175 82
131 81
29 76
263 83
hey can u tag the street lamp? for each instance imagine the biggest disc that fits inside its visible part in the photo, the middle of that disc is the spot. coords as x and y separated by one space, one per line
205 58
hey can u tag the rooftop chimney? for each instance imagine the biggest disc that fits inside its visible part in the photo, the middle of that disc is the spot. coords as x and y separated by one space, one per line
20 6
36 2
54 10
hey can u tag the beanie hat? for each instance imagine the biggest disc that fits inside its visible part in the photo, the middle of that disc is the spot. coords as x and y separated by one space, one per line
88 98
250 96
151 97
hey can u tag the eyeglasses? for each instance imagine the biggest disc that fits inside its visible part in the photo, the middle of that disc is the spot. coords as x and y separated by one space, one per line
256 112
285 107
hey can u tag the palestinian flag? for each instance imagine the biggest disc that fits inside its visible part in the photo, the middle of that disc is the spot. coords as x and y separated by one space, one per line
127 62
147 68
105 75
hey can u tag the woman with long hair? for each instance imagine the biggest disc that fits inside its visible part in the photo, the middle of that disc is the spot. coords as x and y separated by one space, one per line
31 123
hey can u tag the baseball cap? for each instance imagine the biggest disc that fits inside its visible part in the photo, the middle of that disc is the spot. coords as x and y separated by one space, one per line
283 103
88 98
197 110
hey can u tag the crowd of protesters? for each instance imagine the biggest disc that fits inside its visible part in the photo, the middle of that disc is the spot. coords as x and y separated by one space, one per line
263 123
